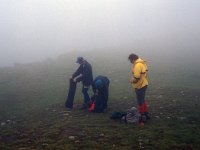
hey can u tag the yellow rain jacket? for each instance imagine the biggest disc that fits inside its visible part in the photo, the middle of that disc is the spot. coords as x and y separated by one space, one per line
139 71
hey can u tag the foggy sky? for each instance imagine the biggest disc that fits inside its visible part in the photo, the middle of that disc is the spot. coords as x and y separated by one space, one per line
33 30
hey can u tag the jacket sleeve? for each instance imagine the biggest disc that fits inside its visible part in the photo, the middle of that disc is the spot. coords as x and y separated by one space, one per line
85 73
144 68
79 79
78 72
137 71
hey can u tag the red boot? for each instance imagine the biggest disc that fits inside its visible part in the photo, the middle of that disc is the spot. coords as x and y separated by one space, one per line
142 118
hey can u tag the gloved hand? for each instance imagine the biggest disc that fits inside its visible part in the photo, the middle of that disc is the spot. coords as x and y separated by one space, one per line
71 78
74 80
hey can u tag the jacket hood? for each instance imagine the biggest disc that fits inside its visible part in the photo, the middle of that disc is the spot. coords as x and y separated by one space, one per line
139 60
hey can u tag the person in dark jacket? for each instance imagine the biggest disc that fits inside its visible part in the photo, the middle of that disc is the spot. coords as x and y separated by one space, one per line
101 90
84 74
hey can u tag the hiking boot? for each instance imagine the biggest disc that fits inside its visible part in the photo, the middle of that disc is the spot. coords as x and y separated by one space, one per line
147 115
144 118
141 124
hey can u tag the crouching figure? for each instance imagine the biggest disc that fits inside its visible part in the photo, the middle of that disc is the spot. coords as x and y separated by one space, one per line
100 88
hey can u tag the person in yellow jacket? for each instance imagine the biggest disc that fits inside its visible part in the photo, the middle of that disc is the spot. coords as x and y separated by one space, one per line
139 82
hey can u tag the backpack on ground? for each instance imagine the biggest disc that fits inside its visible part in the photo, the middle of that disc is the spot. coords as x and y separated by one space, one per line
130 116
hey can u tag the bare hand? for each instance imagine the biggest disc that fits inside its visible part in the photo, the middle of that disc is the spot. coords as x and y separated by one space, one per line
131 81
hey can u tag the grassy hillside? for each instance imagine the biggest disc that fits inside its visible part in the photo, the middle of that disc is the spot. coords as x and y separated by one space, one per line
33 116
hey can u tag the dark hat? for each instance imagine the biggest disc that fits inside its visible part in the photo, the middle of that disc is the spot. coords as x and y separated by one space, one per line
79 59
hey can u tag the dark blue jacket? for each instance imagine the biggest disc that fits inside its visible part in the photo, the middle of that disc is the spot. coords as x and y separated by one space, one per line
102 98
85 70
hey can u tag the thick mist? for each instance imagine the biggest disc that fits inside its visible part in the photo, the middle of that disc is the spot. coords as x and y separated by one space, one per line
34 30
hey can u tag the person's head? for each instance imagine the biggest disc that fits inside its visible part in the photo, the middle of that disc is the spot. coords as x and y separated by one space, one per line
80 60
133 57
98 84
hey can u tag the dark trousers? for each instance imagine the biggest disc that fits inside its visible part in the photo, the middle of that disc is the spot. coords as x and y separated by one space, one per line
85 94
140 94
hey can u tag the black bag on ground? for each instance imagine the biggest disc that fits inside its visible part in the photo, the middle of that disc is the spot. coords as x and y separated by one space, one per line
117 115
71 94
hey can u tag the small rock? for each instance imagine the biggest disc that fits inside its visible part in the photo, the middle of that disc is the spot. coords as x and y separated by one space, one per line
45 144
77 141
63 111
22 148
101 135
66 114
140 144
71 137
157 117
182 118
182 92
3 124
140 140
